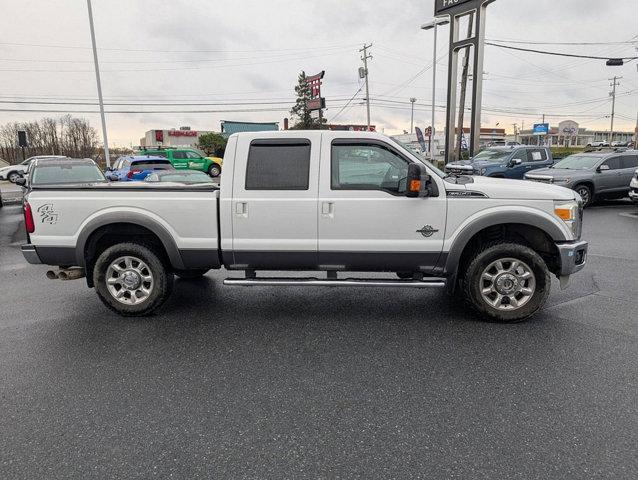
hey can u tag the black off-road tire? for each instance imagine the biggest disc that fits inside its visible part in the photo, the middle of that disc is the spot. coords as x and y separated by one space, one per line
162 279
191 274
472 282
586 194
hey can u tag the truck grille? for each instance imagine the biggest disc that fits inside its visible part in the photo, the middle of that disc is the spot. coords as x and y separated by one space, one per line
540 179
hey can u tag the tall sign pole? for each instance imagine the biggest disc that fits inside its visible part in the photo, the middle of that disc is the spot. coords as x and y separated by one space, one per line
107 156
612 94
474 11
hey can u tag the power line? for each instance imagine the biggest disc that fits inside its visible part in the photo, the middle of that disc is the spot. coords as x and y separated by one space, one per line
347 103
529 42
558 54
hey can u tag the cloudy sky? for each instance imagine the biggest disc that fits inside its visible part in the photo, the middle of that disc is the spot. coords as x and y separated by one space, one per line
211 60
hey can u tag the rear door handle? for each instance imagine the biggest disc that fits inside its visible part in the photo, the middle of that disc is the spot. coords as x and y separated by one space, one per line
241 209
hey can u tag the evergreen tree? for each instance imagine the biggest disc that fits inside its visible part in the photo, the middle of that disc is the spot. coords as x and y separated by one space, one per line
299 111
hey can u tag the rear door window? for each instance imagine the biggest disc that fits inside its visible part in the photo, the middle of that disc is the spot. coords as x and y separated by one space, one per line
278 165
629 161
179 155
536 155
151 165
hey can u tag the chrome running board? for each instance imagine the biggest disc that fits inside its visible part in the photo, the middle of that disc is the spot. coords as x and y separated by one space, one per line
347 282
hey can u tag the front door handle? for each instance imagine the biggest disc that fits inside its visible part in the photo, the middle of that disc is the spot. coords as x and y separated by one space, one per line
327 209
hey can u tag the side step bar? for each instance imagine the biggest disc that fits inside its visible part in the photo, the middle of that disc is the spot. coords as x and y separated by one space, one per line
347 282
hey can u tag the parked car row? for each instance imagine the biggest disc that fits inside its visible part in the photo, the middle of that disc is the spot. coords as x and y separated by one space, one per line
602 174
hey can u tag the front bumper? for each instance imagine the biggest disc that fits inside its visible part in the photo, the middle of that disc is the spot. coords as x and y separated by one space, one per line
30 254
633 193
573 257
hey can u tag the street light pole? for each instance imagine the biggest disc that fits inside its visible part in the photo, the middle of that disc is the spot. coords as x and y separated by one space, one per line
412 101
99 87
434 24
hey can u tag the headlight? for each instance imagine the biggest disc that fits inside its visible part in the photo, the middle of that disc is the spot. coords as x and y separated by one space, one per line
568 212
562 180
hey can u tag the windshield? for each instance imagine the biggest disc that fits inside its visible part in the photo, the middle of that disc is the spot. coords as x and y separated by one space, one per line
492 155
66 173
408 148
190 177
578 162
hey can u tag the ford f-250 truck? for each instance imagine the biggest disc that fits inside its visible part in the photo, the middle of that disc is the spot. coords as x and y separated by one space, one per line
320 201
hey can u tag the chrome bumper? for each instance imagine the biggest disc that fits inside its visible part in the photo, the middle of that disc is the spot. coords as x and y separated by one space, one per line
633 195
30 254
573 257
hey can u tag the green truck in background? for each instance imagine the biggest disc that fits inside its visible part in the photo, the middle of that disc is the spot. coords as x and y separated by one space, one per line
187 158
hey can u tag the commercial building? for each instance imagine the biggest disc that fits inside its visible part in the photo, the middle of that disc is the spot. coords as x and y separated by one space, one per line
183 137
568 133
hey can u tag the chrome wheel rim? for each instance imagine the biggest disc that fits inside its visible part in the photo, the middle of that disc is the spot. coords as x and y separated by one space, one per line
129 280
584 194
507 284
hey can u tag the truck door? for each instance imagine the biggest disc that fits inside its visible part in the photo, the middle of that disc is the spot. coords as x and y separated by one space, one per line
195 161
179 160
536 158
365 220
275 188
517 170
609 180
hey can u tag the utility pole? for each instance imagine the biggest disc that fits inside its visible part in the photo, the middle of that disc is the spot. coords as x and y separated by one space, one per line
515 125
107 156
614 84
466 64
412 101
365 58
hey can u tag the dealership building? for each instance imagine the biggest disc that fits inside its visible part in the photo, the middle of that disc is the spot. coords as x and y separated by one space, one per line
183 137
570 134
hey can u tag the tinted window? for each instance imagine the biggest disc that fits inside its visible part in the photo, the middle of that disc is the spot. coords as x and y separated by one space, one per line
539 155
278 165
367 167
614 163
66 173
179 155
193 155
629 161
151 165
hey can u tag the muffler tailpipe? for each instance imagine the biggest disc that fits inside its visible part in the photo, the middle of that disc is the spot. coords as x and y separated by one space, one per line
71 274
51 275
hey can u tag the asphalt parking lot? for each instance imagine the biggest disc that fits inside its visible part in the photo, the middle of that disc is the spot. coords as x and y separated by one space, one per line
325 383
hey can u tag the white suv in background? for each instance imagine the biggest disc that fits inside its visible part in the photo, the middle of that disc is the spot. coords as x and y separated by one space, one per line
13 172
633 188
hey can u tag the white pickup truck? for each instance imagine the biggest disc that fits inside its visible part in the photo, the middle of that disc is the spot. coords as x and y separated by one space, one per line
314 201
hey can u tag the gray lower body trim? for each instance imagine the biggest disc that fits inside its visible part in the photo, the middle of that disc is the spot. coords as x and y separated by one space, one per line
198 259
30 254
345 261
348 282
60 256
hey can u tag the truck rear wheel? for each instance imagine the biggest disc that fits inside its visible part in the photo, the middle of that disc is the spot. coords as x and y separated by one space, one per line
507 282
131 280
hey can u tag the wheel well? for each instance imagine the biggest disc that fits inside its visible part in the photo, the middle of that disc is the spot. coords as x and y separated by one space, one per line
588 183
112 234
528 235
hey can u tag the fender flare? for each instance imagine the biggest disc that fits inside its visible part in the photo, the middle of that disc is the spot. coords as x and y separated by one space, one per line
133 218
547 225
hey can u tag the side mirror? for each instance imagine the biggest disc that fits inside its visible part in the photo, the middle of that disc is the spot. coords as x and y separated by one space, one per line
21 181
112 178
515 162
418 181
602 168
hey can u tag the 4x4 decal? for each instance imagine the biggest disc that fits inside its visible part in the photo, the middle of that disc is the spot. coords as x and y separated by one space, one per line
48 215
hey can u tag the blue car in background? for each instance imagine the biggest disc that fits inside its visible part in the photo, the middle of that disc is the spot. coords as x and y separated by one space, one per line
135 168
504 162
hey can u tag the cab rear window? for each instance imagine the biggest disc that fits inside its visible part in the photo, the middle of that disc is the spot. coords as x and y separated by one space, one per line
278 165
66 173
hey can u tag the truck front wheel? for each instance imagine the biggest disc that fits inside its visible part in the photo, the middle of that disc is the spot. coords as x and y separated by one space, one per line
214 170
507 282
131 280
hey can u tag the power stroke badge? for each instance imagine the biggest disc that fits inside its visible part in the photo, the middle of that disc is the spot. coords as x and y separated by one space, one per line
48 214
427 231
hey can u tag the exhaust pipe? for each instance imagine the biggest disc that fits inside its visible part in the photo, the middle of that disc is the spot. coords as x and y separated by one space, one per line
51 275
71 274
